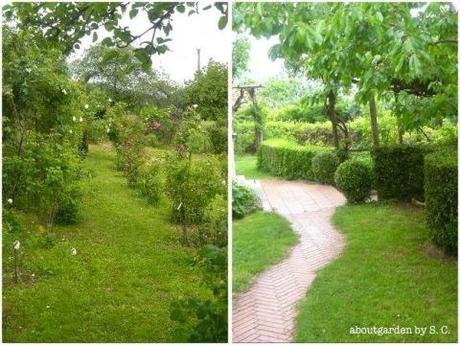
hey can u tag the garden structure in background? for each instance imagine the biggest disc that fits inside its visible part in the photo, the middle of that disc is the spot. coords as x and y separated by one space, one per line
376 119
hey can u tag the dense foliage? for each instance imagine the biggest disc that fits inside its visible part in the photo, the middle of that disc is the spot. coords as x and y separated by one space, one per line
441 199
43 117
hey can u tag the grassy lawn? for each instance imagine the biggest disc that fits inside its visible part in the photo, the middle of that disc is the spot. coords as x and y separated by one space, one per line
129 267
388 275
259 240
247 166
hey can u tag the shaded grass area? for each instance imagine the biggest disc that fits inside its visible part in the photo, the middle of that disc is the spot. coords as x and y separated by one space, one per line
247 166
129 267
388 275
259 240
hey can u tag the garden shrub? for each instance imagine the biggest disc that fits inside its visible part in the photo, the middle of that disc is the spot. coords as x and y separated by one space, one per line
214 228
244 201
290 160
302 113
191 185
42 107
245 138
441 199
150 181
217 132
354 179
398 172
67 212
129 160
324 165
11 221
210 312
362 129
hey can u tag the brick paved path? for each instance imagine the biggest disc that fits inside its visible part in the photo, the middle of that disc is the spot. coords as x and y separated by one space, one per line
267 312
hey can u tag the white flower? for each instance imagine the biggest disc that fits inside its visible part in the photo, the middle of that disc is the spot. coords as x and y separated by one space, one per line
28 70
10 201
81 119
47 307
70 131
16 245
86 106
110 99
33 275
64 91
195 106
73 251
74 118
108 130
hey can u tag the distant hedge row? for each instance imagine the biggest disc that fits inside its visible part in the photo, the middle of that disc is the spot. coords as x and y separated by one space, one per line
287 159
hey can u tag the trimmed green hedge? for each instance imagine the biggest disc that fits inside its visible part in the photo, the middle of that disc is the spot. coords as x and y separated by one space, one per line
398 172
441 201
324 165
286 159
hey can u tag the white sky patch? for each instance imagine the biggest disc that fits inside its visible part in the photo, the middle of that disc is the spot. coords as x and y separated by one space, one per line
261 68
198 31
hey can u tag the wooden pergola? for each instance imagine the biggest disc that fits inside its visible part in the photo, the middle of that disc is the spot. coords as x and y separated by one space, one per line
250 89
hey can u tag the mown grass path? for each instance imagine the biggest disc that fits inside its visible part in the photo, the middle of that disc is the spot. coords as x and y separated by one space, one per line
129 267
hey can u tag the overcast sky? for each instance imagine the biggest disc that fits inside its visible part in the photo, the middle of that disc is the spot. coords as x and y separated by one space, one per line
189 33
261 67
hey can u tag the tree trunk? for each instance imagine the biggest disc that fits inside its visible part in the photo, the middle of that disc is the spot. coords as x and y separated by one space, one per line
398 120
400 131
259 138
374 124
330 111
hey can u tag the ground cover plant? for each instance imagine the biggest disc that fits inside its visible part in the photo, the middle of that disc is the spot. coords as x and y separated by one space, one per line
108 234
362 292
259 240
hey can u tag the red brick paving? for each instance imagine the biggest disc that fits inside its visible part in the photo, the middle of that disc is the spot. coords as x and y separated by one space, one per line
267 312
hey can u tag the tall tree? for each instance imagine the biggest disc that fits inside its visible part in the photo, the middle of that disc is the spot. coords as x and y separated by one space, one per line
382 48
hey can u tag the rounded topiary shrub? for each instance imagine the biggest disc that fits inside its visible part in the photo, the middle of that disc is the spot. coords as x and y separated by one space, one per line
323 166
354 179
441 199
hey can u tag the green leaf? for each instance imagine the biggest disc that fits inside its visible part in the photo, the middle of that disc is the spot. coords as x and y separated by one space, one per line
222 22
94 36
180 8
107 42
143 56
109 25
133 13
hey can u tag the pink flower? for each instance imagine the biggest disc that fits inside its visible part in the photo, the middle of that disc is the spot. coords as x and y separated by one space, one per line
157 126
